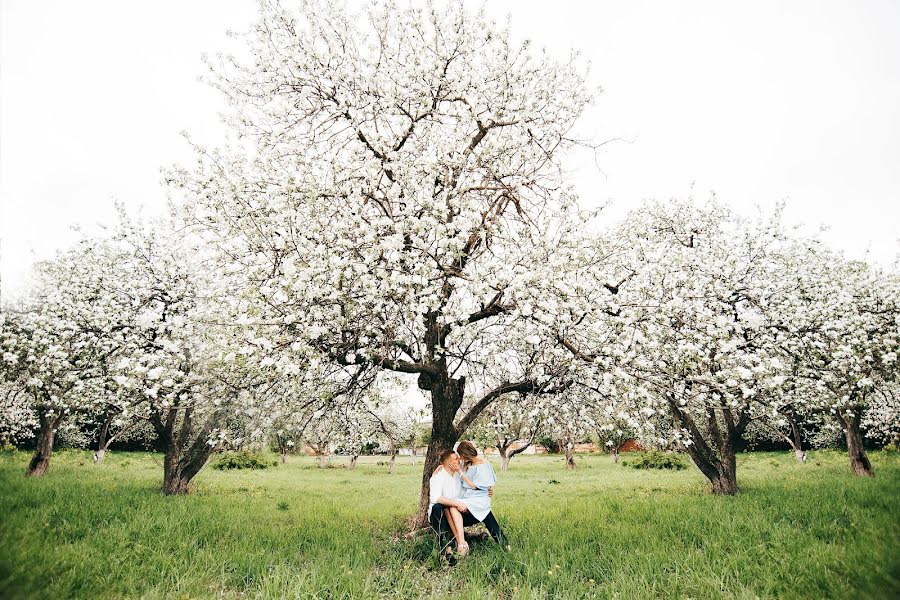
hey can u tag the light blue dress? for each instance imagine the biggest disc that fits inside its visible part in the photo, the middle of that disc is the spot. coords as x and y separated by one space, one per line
476 499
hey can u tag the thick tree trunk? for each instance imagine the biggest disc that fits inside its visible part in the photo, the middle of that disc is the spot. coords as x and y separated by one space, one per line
716 459
184 453
43 450
725 483
859 461
181 465
504 461
720 471
283 456
353 461
393 459
99 455
323 460
570 456
614 454
446 398
174 482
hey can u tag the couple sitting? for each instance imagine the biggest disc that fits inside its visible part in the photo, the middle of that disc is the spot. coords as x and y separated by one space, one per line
460 495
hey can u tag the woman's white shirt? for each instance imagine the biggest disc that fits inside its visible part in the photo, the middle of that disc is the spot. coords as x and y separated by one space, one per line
443 484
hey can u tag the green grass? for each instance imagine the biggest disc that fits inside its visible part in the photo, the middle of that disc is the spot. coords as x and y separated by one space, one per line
603 531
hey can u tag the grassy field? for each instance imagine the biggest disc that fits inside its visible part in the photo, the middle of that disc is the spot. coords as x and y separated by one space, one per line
294 531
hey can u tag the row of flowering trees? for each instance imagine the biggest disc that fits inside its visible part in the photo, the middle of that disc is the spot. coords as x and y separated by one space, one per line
394 204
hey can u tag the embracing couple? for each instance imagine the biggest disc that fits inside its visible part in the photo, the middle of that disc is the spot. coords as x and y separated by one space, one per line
460 495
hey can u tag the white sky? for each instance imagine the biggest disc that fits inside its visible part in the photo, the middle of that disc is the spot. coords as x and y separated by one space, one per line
758 101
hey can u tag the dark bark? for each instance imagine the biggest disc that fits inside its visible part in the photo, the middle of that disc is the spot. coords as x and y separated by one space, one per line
185 451
570 457
353 459
859 461
43 450
446 398
714 453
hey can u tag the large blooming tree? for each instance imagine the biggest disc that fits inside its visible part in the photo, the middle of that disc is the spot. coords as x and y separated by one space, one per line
186 366
685 335
393 192
58 343
839 326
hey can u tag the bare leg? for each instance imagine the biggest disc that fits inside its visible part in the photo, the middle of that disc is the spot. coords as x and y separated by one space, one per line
456 524
453 524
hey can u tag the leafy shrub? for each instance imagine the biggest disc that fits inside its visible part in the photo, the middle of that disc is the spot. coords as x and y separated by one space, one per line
655 459
242 460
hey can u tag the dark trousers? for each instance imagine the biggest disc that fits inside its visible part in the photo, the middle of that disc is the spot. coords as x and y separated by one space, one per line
438 520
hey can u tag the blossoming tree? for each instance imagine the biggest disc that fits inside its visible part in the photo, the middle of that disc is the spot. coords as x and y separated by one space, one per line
394 190
59 343
511 425
839 326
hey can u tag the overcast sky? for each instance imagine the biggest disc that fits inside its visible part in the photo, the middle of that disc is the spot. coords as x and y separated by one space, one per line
757 101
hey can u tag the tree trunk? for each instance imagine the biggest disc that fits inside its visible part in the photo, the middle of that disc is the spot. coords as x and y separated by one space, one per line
796 441
353 461
283 456
43 450
102 440
570 456
180 466
323 460
614 453
717 462
859 461
392 460
174 483
725 483
446 398
186 452
504 461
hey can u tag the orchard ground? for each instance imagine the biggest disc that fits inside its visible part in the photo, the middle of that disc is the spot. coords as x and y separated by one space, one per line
296 531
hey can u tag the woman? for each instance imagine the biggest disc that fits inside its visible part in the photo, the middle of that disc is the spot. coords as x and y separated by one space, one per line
444 512
478 479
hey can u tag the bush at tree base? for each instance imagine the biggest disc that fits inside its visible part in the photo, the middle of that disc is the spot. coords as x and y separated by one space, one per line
656 459
242 460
